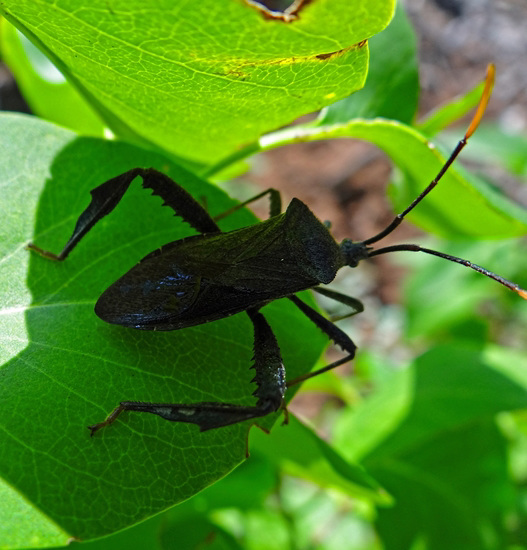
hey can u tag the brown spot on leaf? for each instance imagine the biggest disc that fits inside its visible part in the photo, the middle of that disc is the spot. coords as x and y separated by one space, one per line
330 55
242 69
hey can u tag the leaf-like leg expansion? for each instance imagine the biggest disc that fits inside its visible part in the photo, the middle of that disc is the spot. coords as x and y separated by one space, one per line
275 204
106 196
269 377
337 335
355 305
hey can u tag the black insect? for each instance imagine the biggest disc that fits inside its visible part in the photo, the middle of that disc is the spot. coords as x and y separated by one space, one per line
212 275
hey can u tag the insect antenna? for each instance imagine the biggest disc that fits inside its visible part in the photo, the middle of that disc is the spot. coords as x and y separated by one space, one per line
416 248
489 81
485 96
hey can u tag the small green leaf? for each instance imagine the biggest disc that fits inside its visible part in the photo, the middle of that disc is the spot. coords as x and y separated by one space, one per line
143 70
64 369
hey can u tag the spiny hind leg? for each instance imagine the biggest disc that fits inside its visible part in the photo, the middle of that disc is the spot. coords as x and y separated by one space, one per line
270 389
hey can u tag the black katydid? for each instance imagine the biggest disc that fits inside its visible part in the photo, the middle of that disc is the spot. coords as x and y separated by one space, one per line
213 275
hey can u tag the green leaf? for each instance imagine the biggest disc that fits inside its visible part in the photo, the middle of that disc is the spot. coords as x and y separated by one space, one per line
23 524
301 452
143 70
480 210
194 532
392 85
192 522
43 86
142 535
454 493
443 459
64 369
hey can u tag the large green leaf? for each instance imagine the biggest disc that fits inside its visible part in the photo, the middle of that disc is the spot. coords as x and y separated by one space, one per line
201 78
64 369
192 524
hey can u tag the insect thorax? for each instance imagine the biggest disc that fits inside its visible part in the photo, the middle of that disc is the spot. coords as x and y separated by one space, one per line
315 250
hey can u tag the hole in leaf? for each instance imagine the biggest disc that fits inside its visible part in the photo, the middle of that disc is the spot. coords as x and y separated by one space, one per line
275 5
286 10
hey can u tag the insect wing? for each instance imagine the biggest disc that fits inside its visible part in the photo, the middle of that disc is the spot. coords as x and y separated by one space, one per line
149 295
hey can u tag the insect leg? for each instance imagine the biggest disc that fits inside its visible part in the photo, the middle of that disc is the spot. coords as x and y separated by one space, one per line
180 200
275 204
269 377
355 305
269 369
106 197
337 335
